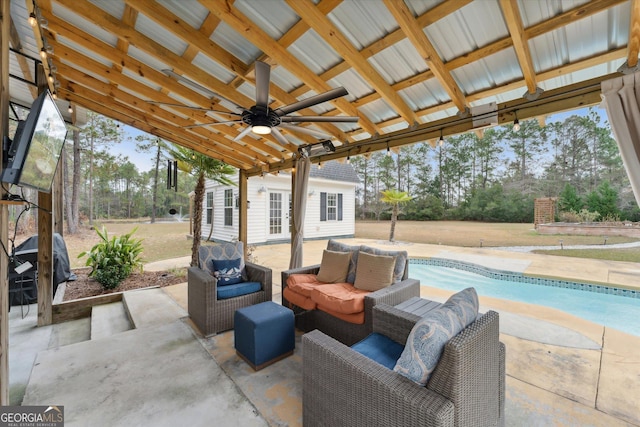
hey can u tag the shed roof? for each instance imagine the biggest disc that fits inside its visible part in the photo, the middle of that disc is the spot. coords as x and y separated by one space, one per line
414 69
335 171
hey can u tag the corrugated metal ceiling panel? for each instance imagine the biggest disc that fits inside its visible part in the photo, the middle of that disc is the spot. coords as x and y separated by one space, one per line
191 12
160 35
314 52
86 26
362 22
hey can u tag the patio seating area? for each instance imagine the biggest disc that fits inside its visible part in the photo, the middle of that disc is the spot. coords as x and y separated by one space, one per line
159 370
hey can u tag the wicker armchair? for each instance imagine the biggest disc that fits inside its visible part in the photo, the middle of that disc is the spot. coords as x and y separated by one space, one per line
343 331
467 388
210 314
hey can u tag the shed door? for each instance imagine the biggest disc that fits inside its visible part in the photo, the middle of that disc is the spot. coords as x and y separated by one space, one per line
279 215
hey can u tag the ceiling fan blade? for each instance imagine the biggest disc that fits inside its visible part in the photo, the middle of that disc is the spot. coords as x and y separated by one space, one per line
305 130
228 113
226 122
197 86
279 136
320 119
263 75
242 134
312 100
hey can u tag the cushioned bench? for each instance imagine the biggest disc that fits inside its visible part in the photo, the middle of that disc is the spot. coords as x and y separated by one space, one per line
338 298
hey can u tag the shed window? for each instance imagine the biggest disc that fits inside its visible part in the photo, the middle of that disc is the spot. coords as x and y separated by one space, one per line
228 207
330 206
209 208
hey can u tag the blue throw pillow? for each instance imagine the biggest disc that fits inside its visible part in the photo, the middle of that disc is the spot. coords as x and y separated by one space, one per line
227 271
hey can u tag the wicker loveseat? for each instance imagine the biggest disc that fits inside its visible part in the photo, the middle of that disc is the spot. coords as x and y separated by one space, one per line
467 387
347 331
211 306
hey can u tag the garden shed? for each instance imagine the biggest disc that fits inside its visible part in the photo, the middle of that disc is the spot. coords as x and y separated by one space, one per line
330 209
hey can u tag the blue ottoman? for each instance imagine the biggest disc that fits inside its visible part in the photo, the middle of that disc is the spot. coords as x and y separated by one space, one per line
264 333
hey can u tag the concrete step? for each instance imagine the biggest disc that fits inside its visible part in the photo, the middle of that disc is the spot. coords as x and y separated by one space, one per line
109 319
151 307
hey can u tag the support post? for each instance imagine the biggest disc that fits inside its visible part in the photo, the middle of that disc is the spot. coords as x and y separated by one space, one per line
242 214
45 258
45 239
57 189
5 24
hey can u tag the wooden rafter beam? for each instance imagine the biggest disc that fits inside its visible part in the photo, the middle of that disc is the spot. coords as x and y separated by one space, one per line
109 107
203 44
106 51
22 61
520 43
309 13
132 101
429 17
415 33
574 96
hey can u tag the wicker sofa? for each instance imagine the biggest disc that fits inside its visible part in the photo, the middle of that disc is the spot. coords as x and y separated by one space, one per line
210 313
340 329
467 388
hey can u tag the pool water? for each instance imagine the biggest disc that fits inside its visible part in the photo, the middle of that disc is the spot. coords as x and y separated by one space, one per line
618 312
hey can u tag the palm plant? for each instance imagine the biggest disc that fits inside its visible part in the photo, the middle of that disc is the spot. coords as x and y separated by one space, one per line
394 198
202 167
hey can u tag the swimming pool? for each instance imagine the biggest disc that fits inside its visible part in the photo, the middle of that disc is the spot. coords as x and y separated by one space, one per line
613 307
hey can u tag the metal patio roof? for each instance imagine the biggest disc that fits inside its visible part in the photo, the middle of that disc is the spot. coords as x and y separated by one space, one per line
414 69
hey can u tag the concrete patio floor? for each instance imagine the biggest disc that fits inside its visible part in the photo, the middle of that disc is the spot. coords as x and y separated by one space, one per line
561 370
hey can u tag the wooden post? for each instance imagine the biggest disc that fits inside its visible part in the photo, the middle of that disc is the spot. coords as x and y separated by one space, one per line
57 189
45 240
45 259
242 214
5 24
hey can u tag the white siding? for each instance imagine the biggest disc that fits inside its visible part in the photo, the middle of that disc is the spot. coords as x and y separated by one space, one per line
258 213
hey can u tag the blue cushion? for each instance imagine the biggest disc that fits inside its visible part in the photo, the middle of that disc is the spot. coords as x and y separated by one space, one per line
244 288
227 271
379 348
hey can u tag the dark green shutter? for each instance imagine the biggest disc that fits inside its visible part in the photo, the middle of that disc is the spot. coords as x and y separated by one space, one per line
339 206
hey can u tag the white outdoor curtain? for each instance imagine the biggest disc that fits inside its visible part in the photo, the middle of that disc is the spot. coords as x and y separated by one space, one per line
303 165
621 98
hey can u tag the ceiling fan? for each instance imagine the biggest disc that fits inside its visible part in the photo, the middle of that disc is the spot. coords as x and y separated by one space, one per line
262 119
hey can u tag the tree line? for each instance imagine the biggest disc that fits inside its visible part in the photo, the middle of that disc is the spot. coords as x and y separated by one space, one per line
497 174
494 175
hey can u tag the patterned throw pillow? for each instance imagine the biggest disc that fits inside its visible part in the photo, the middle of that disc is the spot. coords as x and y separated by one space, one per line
230 250
465 305
400 256
431 333
227 271
334 245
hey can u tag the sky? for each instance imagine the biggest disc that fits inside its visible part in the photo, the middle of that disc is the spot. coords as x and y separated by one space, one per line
144 161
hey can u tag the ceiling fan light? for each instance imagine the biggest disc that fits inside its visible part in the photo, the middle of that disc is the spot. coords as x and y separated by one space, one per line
261 129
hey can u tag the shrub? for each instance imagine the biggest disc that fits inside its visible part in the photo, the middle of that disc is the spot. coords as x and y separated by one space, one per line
113 260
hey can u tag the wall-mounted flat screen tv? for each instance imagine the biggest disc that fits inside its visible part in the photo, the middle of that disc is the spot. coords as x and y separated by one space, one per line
32 157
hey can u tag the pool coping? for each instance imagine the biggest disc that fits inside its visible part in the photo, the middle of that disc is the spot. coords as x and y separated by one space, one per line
594 287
